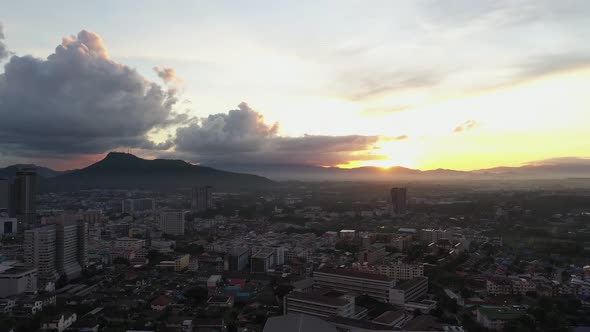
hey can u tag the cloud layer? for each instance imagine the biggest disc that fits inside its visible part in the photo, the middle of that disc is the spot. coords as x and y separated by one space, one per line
242 137
79 101
3 49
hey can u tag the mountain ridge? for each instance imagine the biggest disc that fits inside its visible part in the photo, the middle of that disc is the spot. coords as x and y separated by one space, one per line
118 164
120 170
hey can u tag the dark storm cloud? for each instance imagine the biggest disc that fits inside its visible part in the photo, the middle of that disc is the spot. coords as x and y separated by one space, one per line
467 125
79 100
242 137
3 49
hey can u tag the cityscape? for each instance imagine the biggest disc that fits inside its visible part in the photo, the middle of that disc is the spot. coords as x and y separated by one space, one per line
412 166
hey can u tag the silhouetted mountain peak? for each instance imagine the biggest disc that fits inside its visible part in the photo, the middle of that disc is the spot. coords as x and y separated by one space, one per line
124 170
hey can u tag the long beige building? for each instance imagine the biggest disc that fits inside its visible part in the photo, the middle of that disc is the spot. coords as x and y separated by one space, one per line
373 285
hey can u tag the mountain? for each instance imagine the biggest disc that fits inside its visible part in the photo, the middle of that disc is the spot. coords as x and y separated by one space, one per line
550 168
126 171
544 169
10 171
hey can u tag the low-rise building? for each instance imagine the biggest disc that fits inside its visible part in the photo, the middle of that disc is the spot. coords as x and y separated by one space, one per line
493 318
373 285
262 260
320 304
408 291
16 280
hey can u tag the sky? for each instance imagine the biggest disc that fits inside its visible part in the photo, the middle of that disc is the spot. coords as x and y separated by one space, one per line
423 84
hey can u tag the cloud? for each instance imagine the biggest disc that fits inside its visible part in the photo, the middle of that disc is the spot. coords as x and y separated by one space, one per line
547 64
371 83
4 53
560 161
242 137
240 130
467 125
165 73
79 101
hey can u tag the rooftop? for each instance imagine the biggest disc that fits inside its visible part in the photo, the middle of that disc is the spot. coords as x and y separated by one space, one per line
389 317
362 324
354 274
411 283
319 298
297 323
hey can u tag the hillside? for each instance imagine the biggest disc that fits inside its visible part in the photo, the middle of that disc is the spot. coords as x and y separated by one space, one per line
126 171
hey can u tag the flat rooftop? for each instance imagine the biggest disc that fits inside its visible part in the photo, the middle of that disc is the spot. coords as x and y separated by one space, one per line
15 271
354 274
318 298
389 317
411 283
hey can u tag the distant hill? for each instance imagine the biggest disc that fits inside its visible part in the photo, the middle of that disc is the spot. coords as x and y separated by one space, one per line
314 173
10 171
126 171
549 169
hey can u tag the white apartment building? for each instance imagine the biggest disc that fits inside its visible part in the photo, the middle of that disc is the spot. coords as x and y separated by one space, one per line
67 250
40 251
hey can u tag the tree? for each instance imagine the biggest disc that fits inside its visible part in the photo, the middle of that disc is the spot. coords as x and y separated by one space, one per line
121 261
197 295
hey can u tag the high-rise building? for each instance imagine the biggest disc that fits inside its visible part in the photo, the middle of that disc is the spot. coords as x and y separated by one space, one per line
82 254
201 199
71 248
398 201
40 251
4 194
23 194
172 222
58 249
138 205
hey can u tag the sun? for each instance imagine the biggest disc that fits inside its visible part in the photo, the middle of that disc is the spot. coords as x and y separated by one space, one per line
390 154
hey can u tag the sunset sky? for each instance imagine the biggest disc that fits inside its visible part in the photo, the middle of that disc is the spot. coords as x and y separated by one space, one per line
422 84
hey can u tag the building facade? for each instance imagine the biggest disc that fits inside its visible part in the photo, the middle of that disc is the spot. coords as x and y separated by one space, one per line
40 251
201 198
373 285
138 205
319 305
14 281
398 201
400 271
172 222
410 290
